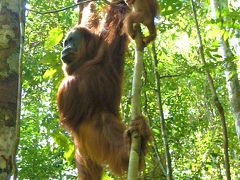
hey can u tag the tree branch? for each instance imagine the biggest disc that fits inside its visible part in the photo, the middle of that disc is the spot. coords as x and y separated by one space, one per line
68 7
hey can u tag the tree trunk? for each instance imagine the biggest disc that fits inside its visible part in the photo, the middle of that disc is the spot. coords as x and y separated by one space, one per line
232 83
136 110
237 42
216 101
231 74
162 120
9 83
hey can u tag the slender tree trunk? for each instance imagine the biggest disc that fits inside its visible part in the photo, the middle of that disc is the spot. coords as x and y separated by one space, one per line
136 110
215 97
162 120
10 11
232 83
231 74
156 157
237 42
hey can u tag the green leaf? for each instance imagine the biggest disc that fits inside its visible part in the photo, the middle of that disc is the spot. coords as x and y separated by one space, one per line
105 177
156 131
50 58
49 73
225 35
69 154
61 140
54 37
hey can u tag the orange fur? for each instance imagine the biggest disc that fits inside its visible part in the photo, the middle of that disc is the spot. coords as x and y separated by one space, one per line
89 99
142 11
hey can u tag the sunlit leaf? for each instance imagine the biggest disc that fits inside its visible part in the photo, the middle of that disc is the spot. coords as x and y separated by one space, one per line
105 177
69 154
49 73
54 37
225 35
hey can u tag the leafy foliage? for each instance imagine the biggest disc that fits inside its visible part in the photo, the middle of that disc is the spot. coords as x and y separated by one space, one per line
193 125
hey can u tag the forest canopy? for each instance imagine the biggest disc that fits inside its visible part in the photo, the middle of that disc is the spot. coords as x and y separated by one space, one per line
193 121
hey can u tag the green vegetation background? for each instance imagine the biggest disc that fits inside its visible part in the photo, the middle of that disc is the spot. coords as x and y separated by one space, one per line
193 125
